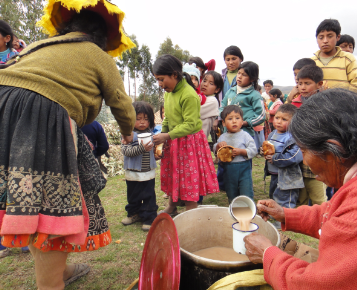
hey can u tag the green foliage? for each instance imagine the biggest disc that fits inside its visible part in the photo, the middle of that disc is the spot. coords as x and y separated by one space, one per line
167 47
22 16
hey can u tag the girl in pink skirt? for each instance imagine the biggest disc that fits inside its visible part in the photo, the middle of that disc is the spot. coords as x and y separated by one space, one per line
187 170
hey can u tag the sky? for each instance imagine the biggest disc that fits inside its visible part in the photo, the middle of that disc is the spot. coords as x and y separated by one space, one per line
273 34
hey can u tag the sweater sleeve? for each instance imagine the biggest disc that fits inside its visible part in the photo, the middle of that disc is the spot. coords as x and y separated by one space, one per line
251 148
335 267
120 103
289 157
351 71
258 111
190 114
133 149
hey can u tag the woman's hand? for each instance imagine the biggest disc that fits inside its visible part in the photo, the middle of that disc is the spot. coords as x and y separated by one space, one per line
148 146
161 138
126 139
270 207
256 244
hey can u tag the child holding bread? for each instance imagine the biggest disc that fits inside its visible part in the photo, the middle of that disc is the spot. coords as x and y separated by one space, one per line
139 165
235 149
283 157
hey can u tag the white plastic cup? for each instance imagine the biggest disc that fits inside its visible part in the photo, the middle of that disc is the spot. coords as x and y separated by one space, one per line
238 236
242 201
144 137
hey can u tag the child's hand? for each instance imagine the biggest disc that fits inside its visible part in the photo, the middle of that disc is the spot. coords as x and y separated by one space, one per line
261 151
236 152
220 144
148 146
269 158
161 138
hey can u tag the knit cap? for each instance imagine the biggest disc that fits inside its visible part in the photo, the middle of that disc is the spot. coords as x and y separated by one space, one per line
192 70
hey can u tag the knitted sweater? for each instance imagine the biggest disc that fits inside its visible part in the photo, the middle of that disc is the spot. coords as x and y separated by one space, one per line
274 108
78 76
335 224
341 71
182 111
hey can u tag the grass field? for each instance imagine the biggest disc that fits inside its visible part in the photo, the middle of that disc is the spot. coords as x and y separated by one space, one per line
117 265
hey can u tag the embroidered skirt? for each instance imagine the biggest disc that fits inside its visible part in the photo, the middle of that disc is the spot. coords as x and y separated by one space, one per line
49 178
187 169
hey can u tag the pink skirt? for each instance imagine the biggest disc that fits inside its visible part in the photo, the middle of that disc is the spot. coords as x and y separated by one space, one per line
187 169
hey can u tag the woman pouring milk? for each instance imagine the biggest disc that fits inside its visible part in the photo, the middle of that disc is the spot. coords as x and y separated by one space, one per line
325 128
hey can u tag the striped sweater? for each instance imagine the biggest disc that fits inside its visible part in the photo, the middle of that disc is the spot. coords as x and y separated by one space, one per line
340 71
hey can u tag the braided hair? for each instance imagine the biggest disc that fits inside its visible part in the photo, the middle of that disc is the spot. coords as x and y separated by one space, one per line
88 22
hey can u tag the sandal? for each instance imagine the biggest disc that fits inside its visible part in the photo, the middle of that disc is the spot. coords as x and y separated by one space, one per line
172 214
79 271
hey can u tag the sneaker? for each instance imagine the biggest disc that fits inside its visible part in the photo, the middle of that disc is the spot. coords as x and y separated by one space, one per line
146 227
131 219
4 253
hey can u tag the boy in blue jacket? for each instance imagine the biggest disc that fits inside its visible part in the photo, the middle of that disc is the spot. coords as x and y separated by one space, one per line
283 166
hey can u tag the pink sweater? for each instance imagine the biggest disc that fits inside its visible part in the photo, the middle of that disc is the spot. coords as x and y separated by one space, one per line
335 224
273 109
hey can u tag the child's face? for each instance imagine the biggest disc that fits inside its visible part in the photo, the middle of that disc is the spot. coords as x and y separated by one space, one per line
306 86
232 62
194 81
347 47
166 82
208 87
281 121
233 122
243 79
273 97
268 87
16 43
327 41
142 121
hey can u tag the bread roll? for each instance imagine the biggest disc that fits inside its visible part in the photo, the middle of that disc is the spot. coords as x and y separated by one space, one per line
268 148
225 154
158 151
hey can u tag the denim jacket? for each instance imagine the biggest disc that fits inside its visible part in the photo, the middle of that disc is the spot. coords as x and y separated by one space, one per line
289 172
134 163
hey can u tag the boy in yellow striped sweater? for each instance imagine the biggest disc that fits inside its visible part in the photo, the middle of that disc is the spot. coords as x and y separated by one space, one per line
339 67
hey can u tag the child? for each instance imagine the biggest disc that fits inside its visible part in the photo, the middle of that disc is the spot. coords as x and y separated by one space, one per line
283 166
211 86
203 67
309 83
158 126
238 175
294 93
233 58
195 75
244 95
268 85
6 40
139 165
346 43
18 44
275 96
339 67
187 169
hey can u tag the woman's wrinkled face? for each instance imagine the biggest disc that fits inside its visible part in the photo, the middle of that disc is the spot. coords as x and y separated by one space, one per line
327 168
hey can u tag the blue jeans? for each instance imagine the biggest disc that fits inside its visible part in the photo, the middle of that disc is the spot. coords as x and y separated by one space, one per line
259 139
238 179
285 198
142 200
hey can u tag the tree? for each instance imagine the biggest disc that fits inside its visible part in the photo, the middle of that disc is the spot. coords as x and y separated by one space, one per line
167 47
135 61
22 16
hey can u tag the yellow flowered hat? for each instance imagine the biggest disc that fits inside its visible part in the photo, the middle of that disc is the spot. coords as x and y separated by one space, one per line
59 11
